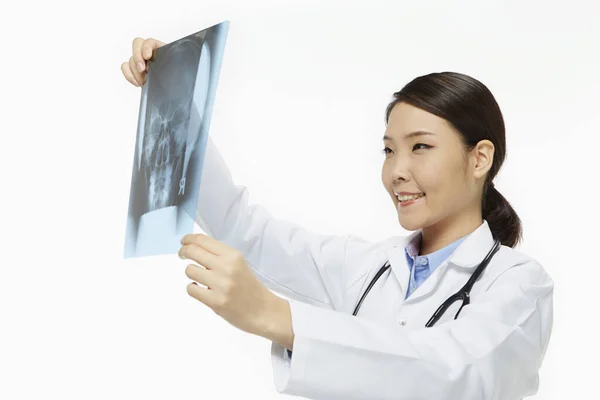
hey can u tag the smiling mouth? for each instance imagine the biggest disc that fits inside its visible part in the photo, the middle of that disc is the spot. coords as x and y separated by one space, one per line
409 198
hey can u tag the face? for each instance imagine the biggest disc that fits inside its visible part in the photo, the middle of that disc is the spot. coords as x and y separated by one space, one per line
426 162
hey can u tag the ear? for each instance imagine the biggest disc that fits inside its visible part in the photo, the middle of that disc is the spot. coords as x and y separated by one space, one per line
483 154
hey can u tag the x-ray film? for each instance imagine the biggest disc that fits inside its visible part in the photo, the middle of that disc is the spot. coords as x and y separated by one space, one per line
173 126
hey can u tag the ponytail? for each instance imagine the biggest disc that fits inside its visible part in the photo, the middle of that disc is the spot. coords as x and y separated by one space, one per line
502 219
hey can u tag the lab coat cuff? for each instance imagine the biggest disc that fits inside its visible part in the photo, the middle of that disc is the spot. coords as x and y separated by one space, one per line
289 372
329 347
313 363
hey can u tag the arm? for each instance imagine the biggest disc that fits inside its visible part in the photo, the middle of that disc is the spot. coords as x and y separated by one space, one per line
492 351
287 258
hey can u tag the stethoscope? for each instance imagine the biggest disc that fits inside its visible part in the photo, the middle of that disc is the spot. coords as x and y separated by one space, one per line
463 294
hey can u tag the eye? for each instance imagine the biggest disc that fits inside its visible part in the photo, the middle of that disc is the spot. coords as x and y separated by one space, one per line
421 144
384 151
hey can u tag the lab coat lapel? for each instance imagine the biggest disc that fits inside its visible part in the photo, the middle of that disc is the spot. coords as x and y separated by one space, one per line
398 263
467 255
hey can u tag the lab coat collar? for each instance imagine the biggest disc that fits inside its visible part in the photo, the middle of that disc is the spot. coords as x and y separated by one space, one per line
474 248
467 255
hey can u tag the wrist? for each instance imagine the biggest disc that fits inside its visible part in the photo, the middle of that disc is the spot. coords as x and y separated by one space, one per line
277 325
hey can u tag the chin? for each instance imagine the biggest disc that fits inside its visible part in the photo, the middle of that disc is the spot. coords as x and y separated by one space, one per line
410 225
409 221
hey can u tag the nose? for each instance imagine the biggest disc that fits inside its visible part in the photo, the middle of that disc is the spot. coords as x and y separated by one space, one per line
400 170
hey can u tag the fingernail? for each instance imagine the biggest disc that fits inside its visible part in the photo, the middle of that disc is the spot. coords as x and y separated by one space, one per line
140 67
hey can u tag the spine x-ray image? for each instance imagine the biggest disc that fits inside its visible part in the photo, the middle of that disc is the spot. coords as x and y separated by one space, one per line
174 119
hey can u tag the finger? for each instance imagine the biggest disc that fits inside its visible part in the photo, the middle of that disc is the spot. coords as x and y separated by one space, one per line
201 294
143 50
140 78
200 255
148 47
206 242
126 70
201 275
139 64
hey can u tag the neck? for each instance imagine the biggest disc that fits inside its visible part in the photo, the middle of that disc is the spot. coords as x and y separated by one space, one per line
449 230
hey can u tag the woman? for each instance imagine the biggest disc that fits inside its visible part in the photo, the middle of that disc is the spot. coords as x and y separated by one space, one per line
444 143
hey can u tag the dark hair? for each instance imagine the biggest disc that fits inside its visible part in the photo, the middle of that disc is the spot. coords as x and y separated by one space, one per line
469 106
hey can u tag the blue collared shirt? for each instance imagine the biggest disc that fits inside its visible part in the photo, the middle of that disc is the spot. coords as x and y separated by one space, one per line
421 267
425 265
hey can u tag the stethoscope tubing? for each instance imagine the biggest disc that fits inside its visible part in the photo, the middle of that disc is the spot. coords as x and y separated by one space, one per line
462 294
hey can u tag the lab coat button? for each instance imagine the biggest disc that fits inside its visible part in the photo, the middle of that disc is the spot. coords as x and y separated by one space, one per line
402 322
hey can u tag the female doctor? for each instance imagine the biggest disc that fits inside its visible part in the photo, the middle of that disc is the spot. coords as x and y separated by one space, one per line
444 144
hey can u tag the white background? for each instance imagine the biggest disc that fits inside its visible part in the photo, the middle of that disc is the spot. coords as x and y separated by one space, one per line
298 116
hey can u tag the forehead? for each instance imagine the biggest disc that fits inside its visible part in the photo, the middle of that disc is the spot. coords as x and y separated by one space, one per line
406 119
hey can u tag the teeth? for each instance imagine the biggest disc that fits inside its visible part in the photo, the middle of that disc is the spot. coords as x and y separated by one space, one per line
411 197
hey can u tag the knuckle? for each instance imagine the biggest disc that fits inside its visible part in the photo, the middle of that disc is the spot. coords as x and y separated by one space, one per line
237 256
230 272
228 287
226 270
223 302
155 43
124 68
132 65
189 288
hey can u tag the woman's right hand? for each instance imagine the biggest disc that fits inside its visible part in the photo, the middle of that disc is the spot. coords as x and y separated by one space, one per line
134 70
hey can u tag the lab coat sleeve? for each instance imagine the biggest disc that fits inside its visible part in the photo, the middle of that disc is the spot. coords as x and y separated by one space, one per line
288 259
492 351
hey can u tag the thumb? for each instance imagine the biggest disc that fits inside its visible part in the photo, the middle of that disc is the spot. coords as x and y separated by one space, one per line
149 46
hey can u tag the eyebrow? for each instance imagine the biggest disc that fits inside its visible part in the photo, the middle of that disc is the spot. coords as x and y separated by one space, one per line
410 135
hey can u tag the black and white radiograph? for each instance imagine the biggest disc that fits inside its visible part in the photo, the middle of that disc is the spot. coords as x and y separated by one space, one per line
173 125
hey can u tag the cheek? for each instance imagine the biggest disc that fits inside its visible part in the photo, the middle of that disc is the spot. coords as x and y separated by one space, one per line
429 177
440 180
386 178
457 192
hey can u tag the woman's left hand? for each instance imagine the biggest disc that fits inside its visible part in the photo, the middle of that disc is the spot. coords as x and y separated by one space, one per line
232 290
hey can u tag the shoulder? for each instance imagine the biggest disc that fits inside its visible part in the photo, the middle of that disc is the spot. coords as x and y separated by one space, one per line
360 248
363 256
514 263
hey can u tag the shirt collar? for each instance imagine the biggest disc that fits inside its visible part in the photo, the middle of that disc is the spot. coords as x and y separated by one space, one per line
469 251
413 248
414 245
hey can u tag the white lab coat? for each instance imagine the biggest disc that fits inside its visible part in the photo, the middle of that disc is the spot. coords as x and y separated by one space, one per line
492 351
